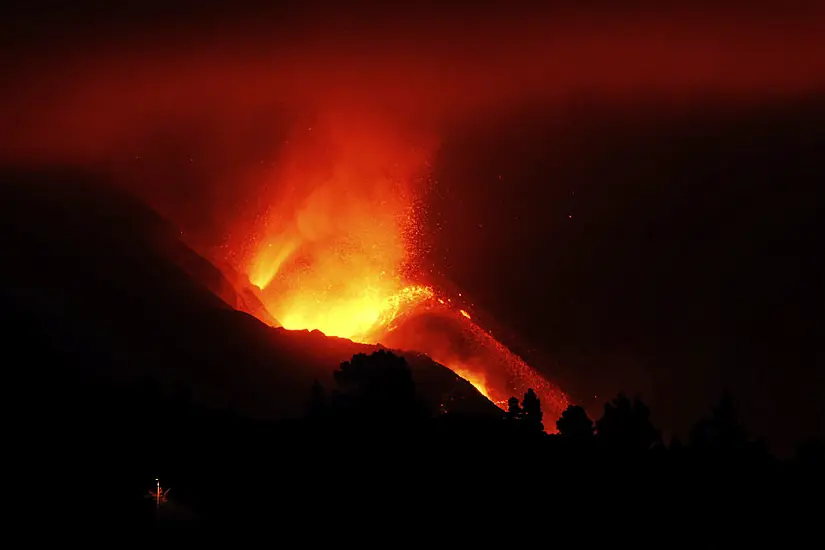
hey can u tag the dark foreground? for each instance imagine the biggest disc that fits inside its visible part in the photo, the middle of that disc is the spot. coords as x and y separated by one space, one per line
121 366
372 466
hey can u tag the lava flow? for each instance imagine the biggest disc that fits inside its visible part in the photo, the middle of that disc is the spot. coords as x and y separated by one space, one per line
335 248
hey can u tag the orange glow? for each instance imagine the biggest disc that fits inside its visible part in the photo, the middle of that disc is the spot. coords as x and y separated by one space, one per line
337 235
336 244
473 353
476 379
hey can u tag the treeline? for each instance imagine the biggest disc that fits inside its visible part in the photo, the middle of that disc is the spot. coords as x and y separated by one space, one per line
377 392
369 442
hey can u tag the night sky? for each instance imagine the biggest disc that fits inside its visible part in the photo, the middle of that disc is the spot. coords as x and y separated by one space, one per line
635 193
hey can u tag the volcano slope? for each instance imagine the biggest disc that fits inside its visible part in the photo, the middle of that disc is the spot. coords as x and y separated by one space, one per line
105 309
107 280
99 292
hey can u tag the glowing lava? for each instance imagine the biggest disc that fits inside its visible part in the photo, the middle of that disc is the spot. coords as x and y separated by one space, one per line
335 246
354 313
476 379
336 235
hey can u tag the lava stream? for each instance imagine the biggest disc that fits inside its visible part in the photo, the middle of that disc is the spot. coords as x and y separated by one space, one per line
334 249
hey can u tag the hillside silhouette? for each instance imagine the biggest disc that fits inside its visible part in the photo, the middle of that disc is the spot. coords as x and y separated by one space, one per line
127 361
91 265
108 306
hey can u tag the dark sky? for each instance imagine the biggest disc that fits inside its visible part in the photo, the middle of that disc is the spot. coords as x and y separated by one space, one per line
634 191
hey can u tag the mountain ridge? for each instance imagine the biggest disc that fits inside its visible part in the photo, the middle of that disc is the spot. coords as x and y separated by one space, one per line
114 292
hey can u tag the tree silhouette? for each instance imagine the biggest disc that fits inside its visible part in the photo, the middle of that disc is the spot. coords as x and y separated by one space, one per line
626 425
574 423
722 433
531 411
513 409
377 387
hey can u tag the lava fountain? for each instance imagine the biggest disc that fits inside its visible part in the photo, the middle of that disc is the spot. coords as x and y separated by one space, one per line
335 249
334 242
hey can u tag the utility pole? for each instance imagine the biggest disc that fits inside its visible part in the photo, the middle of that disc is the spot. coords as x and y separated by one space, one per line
159 494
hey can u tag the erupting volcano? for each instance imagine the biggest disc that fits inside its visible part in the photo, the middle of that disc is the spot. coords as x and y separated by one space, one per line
335 247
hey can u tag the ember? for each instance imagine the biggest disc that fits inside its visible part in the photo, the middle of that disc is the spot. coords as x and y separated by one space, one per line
337 247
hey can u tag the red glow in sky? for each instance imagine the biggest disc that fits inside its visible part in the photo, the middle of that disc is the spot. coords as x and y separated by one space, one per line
273 137
106 90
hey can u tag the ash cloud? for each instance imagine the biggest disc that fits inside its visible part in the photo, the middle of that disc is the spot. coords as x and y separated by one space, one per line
210 95
96 89
196 109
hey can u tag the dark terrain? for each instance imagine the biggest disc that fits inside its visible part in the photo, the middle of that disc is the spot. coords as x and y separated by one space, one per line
127 361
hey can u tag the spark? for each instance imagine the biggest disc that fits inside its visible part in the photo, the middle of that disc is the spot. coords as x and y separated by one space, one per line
336 250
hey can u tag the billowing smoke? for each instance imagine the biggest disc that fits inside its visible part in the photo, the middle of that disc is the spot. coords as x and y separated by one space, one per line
296 146
195 109
236 81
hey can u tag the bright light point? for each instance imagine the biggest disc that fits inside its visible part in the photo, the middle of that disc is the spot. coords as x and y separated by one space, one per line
335 249
358 316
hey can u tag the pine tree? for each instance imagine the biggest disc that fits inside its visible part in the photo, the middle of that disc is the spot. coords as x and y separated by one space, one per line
574 423
513 409
531 411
